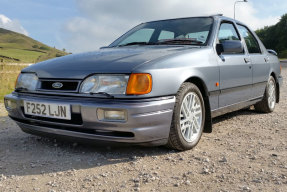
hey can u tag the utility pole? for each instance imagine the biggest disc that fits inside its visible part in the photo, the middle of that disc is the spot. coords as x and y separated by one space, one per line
244 1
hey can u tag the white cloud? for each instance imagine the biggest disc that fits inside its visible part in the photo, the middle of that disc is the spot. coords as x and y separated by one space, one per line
247 14
13 25
105 20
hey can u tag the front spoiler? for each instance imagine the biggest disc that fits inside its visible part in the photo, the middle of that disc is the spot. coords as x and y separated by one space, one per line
148 121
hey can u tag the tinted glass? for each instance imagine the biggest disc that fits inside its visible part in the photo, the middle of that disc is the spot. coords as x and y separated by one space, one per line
194 29
227 32
166 35
251 42
142 35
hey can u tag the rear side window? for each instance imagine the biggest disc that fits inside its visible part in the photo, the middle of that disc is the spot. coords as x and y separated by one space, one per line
227 32
251 42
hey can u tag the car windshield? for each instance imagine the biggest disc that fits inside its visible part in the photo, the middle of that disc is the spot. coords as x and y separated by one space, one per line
187 31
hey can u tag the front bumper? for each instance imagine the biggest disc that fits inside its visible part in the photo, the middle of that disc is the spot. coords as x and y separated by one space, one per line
148 120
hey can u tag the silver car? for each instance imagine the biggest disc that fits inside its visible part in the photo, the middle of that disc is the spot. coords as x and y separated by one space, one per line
161 83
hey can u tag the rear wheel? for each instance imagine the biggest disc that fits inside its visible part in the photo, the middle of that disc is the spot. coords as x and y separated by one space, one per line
267 105
188 118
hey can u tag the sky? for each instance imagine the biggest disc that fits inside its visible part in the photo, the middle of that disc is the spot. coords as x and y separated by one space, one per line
86 25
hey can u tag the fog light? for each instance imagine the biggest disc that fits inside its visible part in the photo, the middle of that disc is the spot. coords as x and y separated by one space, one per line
9 104
112 115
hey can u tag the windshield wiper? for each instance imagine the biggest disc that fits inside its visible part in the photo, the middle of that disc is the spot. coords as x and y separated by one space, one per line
137 43
181 41
102 93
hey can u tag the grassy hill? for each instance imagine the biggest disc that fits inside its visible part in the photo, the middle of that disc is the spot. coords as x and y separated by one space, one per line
16 51
18 48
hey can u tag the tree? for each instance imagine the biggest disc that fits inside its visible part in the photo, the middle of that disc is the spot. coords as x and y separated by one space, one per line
275 36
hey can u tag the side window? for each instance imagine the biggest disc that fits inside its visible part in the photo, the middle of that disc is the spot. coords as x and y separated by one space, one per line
250 40
166 35
142 35
227 32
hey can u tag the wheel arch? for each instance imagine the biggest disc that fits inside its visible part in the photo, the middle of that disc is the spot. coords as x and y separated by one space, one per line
277 86
204 91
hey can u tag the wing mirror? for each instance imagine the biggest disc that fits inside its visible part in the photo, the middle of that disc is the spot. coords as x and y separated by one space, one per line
272 52
229 47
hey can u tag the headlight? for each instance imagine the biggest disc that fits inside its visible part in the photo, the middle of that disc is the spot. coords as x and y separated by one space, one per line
27 81
111 84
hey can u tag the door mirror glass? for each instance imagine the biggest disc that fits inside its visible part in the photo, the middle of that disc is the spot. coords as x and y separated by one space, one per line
230 47
228 40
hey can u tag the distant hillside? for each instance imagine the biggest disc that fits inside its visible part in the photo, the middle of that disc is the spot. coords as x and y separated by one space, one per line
18 48
275 36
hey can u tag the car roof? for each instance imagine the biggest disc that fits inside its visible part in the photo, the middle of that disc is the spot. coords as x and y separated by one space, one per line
215 16
221 17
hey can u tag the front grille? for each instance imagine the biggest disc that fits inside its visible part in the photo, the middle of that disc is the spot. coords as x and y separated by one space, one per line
70 86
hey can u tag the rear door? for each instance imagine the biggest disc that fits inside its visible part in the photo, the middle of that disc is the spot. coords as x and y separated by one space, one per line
259 59
235 70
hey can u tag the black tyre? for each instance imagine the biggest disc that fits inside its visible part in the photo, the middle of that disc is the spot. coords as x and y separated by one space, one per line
188 118
267 105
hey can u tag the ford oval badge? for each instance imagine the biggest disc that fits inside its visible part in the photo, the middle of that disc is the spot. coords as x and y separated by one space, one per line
57 85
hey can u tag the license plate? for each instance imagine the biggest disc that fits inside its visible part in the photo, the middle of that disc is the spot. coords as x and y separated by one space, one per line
50 110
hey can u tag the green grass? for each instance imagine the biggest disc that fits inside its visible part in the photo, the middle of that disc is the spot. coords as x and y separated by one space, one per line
18 48
15 47
9 45
7 80
24 56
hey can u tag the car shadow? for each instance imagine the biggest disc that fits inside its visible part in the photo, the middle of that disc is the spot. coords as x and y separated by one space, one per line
231 115
23 154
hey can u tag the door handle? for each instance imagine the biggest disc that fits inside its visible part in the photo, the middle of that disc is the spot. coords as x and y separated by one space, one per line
247 60
266 59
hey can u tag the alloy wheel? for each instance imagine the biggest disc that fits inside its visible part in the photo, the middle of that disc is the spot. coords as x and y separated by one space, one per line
191 117
271 94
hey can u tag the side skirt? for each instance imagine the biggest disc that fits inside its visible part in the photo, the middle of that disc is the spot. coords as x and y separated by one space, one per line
234 107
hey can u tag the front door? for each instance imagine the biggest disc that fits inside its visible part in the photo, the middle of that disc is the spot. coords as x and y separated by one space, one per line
235 70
